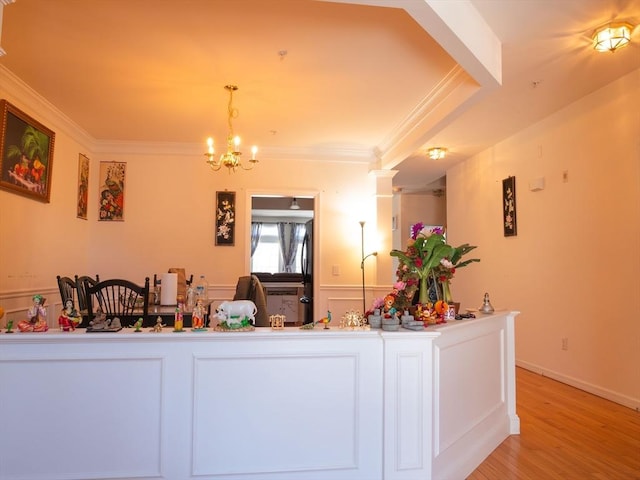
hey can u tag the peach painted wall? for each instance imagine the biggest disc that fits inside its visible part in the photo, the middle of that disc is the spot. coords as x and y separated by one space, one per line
39 240
169 215
573 269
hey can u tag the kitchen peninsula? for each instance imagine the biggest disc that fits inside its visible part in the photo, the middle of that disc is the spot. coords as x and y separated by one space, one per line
297 404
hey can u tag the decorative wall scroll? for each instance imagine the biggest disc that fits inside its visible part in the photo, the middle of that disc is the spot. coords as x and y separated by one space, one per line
112 182
225 218
26 154
83 186
509 207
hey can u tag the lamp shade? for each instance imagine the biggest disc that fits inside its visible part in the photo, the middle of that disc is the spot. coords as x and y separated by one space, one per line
611 37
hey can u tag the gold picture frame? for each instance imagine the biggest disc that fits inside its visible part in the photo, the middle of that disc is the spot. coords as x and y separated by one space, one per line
26 154
83 186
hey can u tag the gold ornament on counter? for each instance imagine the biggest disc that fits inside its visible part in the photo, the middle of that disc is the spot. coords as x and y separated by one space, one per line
354 320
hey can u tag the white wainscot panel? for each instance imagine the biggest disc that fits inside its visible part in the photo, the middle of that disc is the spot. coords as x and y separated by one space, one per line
283 415
468 370
74 424
472 397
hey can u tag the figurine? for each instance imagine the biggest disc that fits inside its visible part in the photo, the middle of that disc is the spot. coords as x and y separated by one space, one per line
37 317
157 328
69 317
9 326
486 305
197 316
99 322
389 310
138 325
326 320
178 322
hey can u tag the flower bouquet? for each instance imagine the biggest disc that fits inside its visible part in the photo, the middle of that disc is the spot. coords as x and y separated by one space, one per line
427 266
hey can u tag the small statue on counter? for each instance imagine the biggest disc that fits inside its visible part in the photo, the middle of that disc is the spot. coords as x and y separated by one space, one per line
197 316
326 320
388 309
138 325
99 322
157 328
9 326
69 317
37 317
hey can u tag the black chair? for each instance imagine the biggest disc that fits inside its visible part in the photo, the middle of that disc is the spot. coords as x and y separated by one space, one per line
119 298
67 288
81 287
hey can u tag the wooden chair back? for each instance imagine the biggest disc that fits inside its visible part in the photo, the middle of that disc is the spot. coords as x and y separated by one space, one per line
81 287
119 298
67 289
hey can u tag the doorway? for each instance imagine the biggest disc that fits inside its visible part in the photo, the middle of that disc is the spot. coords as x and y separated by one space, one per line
281 252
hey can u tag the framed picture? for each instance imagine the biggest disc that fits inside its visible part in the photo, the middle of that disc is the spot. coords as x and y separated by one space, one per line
83 186
225 218
509 217
26 149
112 182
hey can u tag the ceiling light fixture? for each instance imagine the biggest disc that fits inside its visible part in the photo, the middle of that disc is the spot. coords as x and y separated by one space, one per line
611 37
437 153
294 205
231 158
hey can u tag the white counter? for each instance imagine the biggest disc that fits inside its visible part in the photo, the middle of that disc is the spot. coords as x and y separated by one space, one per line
292 404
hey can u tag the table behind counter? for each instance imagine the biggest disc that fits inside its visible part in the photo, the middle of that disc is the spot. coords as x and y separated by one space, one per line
289 404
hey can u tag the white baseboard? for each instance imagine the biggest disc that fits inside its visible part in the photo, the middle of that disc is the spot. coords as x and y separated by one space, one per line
616 397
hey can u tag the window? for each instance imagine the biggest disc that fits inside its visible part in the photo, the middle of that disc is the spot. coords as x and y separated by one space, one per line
267 257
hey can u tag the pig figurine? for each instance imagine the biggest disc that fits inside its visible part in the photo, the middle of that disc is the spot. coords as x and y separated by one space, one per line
235 311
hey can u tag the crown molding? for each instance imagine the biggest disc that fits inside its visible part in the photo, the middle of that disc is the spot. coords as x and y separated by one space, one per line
26 98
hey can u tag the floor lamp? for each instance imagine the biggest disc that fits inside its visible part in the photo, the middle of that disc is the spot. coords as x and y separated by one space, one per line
364 306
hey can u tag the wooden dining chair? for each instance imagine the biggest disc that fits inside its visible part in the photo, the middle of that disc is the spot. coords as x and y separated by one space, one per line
81 287
67 289
119 298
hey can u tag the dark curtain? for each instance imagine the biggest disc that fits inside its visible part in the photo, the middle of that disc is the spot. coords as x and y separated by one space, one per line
256 229
289 237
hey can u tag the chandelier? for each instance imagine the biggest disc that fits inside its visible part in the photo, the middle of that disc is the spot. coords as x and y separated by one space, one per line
231 158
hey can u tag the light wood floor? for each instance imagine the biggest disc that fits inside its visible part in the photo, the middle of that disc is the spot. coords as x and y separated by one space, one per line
565 434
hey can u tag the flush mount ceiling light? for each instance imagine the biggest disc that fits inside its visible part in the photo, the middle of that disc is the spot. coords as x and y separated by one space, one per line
231 158
294 205
437 153
611 37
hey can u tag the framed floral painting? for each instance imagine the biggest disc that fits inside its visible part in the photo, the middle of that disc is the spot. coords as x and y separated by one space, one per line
26 154
509 219
112 182
83 186
225 218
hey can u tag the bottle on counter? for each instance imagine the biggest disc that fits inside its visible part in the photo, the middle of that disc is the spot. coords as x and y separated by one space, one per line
202 289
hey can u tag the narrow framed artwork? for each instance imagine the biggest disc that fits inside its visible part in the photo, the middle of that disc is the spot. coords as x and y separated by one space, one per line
509 217
26 154
83 186
225 218
112 183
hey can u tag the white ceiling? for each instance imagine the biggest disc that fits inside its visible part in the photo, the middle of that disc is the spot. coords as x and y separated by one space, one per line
355 79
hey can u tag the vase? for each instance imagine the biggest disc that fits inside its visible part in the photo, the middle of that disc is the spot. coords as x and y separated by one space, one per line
423 296
446 292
